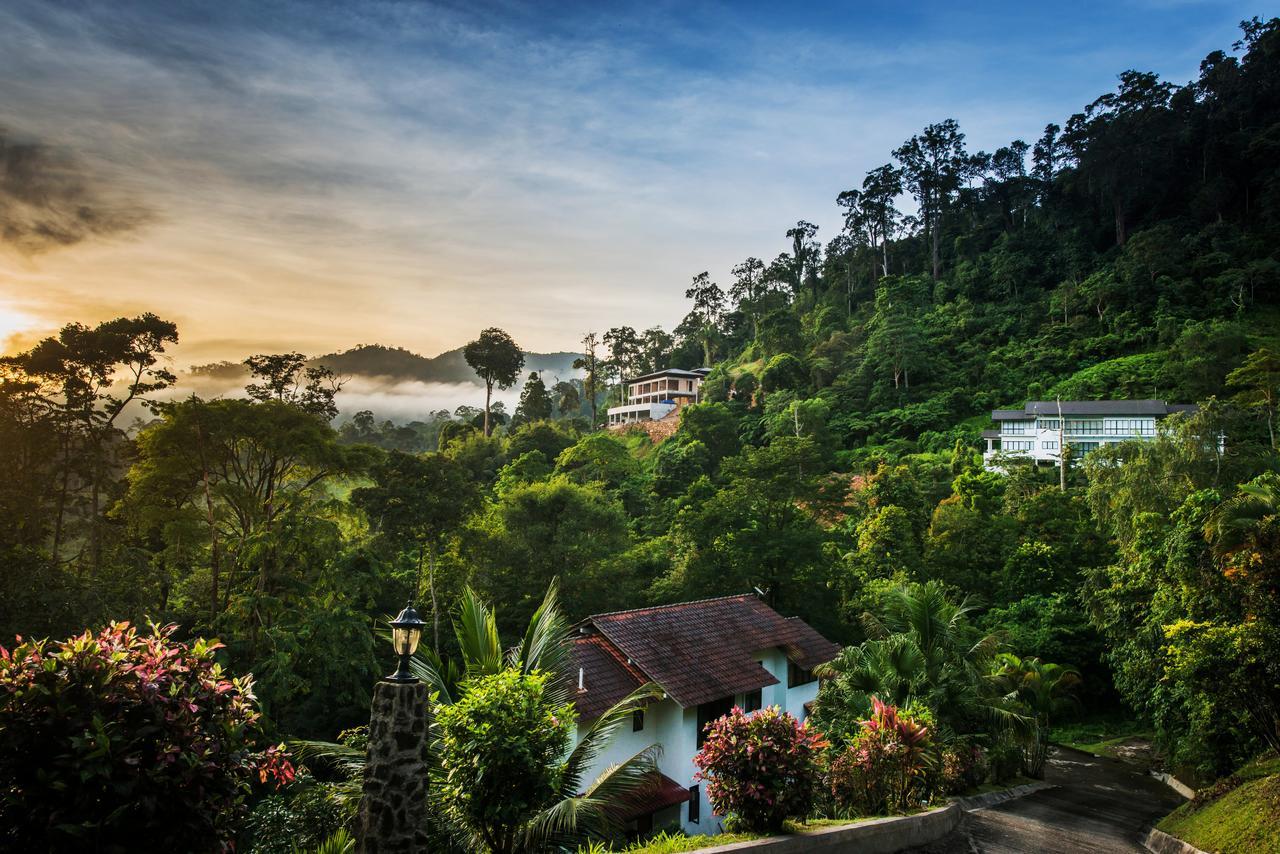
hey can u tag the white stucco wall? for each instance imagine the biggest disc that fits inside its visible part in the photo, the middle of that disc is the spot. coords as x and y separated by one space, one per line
675 730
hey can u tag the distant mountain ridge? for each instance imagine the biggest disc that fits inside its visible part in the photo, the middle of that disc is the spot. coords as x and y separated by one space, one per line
397 363
448 367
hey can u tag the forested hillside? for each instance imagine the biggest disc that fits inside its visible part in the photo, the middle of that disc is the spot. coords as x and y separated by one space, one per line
1131 250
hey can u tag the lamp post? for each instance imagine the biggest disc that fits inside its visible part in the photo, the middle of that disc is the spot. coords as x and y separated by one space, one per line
406 631
393 811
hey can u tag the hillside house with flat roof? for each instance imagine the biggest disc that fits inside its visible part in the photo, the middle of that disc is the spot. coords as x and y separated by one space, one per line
1039 430
656 395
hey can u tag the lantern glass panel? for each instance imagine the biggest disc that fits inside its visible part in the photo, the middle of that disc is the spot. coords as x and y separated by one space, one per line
405 641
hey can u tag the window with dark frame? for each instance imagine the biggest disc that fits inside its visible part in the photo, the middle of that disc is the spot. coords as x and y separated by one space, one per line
637 720
695 806
797 675
708 712
753 700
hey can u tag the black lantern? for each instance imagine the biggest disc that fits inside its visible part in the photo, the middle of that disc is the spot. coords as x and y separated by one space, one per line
406 631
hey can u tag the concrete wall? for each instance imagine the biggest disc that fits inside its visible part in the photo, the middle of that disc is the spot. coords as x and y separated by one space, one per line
876 836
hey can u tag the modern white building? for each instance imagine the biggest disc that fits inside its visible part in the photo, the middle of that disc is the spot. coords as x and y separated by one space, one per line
1040 429
707 656
656 395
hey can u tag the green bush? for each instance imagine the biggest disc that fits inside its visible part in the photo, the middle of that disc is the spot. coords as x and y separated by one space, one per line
501 745
885 768
300 817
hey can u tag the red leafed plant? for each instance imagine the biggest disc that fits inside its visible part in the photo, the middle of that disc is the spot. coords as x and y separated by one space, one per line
884 769
126 741
760 769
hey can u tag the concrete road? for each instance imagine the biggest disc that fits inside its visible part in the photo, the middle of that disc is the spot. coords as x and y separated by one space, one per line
1099 805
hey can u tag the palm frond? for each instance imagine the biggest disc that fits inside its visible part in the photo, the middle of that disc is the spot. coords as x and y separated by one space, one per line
349 761
599 734
477 632
545 645
602 809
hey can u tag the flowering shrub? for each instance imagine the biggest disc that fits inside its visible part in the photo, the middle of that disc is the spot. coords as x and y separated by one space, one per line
964 767
885 767
761 769
120 741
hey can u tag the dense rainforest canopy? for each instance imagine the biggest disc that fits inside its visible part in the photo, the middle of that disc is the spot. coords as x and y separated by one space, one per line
1131 251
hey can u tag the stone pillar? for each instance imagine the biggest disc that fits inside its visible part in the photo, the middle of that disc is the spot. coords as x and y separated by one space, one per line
393 811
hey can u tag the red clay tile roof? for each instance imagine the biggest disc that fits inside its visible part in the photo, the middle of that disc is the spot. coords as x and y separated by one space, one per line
606 676
667 793
703 651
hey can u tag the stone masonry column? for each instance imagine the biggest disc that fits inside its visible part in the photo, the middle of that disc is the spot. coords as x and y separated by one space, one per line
393 811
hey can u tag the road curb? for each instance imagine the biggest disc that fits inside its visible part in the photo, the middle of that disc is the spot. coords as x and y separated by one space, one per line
877 836
987 799
1174 783
1159 842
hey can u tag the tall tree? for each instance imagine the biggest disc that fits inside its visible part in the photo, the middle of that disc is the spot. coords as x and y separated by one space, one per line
93 376
934 166
287 377
590 362
535 402
1259 382
708 308
804 256
496 359
625 352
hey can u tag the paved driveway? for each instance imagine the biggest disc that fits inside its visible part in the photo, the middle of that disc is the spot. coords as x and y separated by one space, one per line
1099 805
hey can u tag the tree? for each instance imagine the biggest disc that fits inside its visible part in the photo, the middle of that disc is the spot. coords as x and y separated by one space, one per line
535 403
870 215
708 308
625 353
804 256
286 378
590 362
1043 690
417 501
1259 382
79 371
568 400
934 165
497 359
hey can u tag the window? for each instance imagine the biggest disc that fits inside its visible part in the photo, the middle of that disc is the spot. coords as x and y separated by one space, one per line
1050 424
1129 427
1016 444
753 700
1082 448
1051 445
708 712
695 805
1084 426
1015 428
637 720
797 675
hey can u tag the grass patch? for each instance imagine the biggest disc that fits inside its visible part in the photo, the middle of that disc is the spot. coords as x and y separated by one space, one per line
1239 813
666 843
1099 735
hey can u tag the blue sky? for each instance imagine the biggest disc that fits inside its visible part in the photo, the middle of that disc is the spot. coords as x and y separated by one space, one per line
317 175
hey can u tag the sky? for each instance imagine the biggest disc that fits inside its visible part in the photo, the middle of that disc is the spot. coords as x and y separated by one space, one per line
280 176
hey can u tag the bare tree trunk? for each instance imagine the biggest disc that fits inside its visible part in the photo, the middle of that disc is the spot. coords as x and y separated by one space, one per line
488 396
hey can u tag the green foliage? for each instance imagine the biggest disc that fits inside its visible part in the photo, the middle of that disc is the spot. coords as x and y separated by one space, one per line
141 742
500 742
1238 813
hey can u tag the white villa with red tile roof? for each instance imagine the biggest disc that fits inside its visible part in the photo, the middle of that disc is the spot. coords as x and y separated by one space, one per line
707 657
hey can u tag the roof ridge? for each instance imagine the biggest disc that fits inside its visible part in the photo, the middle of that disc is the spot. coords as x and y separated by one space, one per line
590 617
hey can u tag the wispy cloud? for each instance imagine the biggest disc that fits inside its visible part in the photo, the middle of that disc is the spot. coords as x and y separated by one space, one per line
323 174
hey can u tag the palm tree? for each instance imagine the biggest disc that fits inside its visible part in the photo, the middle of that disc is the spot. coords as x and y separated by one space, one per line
1043 690
922 647
581 810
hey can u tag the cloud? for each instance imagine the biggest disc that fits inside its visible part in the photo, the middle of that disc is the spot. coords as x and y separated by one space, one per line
50 200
